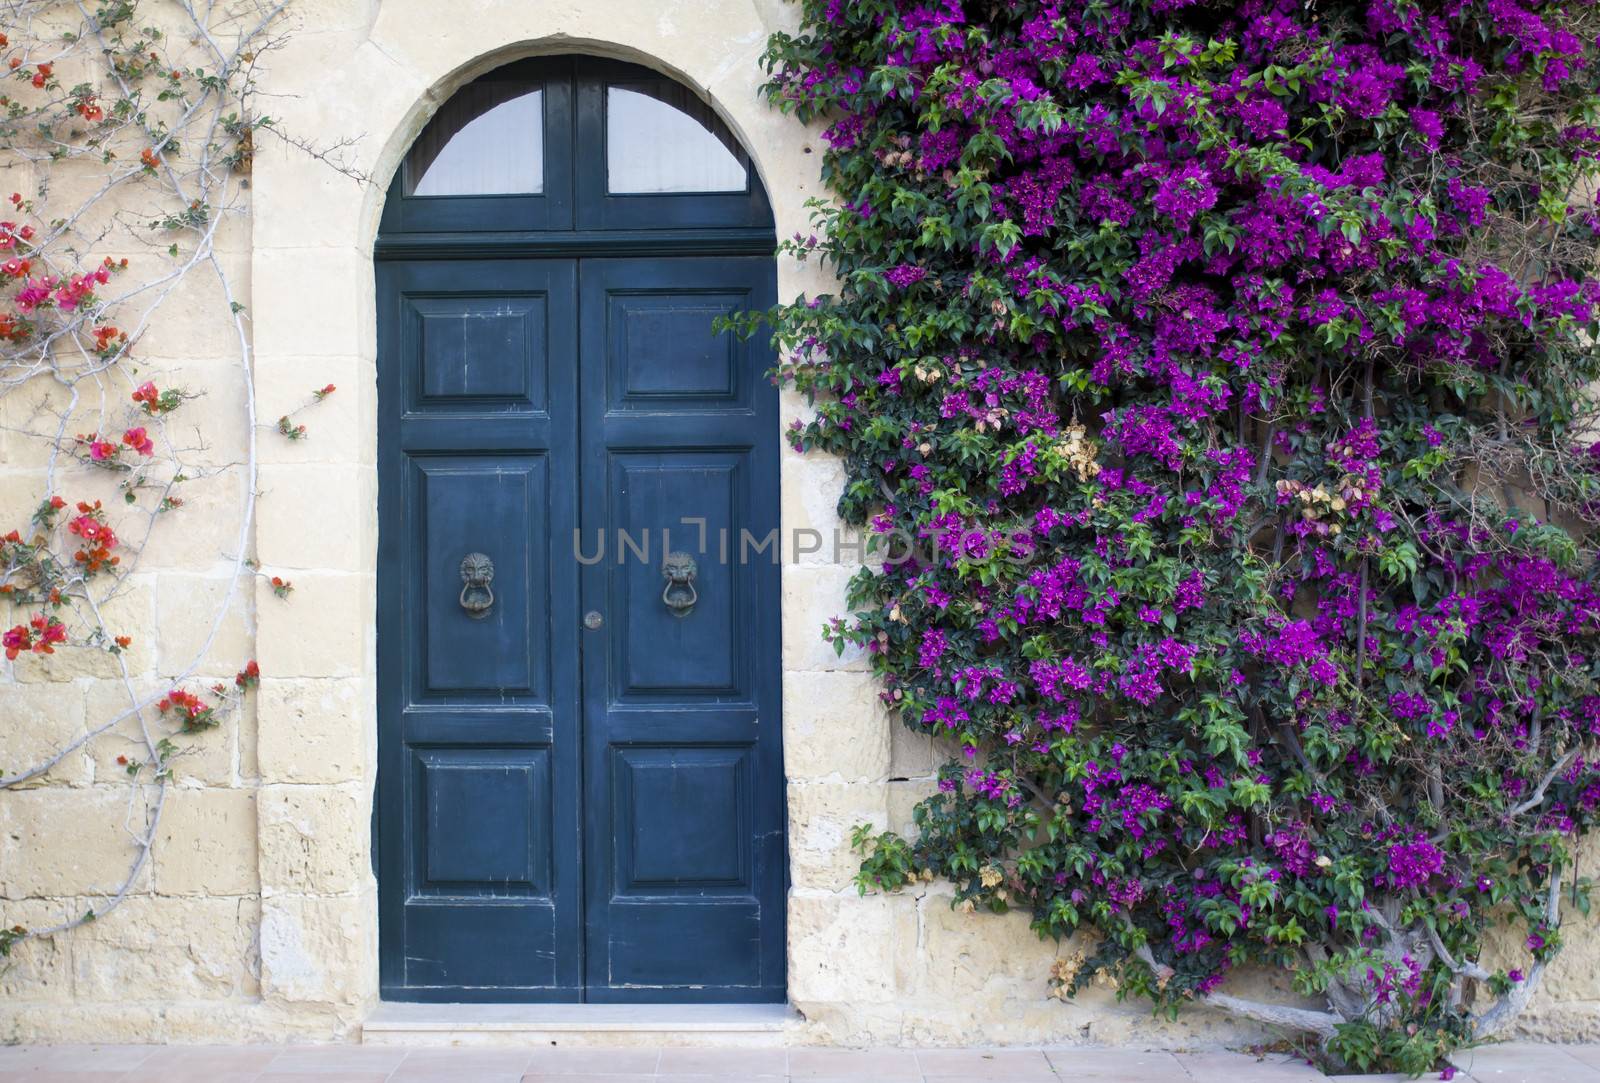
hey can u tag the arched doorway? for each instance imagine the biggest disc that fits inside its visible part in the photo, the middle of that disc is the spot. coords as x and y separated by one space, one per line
580 784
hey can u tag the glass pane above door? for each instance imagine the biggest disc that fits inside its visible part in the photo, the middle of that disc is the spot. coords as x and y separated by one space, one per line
660 139
488 139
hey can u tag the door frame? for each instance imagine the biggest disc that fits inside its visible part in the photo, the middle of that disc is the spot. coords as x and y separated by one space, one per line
608 227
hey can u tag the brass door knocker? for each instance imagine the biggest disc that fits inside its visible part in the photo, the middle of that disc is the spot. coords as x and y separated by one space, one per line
679 593
477 571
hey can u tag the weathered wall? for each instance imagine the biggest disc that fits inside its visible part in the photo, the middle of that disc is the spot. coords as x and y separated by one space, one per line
258 917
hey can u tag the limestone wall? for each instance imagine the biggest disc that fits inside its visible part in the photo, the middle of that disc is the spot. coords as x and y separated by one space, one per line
257 918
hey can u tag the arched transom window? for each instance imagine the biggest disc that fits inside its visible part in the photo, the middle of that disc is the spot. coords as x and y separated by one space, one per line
574 143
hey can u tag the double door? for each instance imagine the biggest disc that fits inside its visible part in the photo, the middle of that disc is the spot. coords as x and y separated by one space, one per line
580 779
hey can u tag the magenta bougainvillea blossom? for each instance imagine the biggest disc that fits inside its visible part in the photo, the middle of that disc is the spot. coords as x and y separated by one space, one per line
1212 379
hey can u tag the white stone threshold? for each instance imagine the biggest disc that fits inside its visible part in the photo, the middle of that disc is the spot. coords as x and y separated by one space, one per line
737 1025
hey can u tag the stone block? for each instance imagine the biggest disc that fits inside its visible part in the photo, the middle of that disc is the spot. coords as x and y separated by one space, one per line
316 731
318 302
68 662
903 798
201 537
813 595
322 629
61 841
194 320
40 720
911 754
963 954
834 727
315 840
842 948
204 758
340 429
317 517
38 970
207 843
168 949
320 950
812 484
188 608
821 818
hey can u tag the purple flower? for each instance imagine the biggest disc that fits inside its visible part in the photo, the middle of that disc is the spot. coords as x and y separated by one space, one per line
1413 864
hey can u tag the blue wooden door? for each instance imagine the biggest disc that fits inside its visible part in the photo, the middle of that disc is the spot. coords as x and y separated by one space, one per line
479 820
683 796
581 790
580 784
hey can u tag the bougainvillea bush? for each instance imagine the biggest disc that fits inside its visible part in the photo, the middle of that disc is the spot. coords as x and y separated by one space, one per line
1216 379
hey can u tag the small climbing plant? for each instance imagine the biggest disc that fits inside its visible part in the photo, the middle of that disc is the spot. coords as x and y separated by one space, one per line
1218 383
127 134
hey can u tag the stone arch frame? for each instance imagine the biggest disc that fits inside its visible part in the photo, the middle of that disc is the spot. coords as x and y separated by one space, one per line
379 72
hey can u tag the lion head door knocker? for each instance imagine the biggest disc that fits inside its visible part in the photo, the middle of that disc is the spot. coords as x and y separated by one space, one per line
477 571
679 594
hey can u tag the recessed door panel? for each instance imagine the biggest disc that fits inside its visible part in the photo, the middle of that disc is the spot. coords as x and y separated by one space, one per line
484 819
666 354
683 819
485 506
477 350
667 646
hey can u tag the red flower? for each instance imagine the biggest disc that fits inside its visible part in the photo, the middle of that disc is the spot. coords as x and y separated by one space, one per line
249 676
147 394
49 631
91 529
16 641
139 441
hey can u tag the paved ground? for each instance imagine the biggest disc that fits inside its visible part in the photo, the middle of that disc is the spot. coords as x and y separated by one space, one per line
378 1064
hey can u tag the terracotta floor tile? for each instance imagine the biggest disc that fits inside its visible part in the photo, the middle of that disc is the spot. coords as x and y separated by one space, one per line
485 1060
588 1077
217 1058
1015 1065
319 1059
1092 1065
1524 1062
458 1075
95 1058
326 1077
873 1065
745 1063
592 1061
1244 1068
186 1075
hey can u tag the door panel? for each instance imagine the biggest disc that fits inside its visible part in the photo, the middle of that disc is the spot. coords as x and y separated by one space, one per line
657 655
494 504
479 747
571 813
480 350
683 782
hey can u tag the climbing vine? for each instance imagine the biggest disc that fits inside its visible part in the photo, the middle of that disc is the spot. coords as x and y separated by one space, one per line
127 132
1216 380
